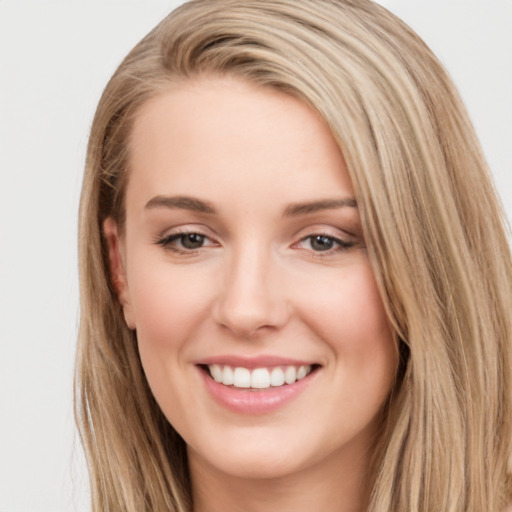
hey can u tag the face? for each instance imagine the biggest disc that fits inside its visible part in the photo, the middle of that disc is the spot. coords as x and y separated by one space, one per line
243 270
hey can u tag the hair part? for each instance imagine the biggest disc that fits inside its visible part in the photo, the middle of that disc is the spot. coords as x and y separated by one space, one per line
435 232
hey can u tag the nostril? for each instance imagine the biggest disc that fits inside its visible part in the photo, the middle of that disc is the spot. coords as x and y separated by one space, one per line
250 301
247 324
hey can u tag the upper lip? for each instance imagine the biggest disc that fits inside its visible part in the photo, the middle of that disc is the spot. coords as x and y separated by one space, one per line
262 361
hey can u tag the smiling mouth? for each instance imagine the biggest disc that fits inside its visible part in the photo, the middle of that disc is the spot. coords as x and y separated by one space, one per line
258 378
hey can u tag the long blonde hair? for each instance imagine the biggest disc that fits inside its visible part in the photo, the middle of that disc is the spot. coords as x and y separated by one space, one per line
435 232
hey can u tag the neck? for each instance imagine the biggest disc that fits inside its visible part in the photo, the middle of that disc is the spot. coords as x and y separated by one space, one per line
329 486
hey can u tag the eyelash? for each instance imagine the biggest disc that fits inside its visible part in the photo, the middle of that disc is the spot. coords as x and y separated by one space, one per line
339 245
169 243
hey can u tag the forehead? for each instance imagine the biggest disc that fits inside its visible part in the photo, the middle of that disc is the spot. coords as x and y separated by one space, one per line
224 134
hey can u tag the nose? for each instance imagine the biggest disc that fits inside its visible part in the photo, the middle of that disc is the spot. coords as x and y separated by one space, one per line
251 299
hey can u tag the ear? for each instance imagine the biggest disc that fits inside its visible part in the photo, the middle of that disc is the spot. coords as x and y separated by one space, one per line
116 257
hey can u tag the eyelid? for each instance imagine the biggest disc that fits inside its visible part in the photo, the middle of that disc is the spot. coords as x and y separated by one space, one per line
185 229
169 239
342 239
169 236
326 230
342 244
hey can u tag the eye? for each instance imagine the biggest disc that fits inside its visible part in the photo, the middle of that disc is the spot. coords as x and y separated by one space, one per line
323 243
191 240
185 242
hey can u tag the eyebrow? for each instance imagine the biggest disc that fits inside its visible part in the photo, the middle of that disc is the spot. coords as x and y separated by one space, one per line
183 202
292 210
296 209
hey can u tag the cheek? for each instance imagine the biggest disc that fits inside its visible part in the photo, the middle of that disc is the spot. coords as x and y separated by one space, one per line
169 309
168 306
348 314
349 302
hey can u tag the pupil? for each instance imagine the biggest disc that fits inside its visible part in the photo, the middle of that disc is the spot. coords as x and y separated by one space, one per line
192 241
321 243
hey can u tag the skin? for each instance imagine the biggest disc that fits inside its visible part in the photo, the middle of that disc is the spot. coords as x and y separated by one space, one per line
258 285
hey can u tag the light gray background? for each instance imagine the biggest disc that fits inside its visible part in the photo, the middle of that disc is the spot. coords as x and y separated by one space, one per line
55 58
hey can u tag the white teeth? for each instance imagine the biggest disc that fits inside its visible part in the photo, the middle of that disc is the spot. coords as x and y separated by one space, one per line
216 372
290 375
227 376
259 378
242 378
277 376
302 372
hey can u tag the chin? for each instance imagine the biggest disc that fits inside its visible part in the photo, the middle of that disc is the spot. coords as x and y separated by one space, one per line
255 465
257 455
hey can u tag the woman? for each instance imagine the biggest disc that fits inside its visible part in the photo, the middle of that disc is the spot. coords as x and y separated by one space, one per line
296 285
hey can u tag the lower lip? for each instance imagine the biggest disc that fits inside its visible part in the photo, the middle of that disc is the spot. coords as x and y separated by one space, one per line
248 401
